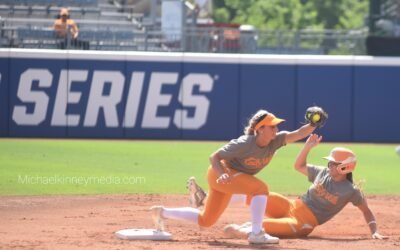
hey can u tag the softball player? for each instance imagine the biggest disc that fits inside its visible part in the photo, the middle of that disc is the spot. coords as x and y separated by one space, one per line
331 190
232 171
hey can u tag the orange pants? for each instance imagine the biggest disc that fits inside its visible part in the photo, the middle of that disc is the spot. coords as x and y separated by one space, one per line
219 194
288 218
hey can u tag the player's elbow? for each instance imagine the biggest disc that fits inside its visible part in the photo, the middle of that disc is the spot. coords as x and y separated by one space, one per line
299 166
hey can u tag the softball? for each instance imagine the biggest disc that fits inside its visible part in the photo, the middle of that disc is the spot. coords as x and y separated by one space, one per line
316 118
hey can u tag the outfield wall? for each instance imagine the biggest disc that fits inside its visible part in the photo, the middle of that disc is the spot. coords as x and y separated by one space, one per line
144 95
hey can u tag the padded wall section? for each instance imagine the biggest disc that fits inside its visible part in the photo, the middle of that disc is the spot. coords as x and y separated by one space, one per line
210 101
96 100
173 96
270 87
330 87
377 104
4 94
153 99
33 88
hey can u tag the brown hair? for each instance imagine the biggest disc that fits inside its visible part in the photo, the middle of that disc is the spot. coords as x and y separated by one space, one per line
256 118
349 177
359 184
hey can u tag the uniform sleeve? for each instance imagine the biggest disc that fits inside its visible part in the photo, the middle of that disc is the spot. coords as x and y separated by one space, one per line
312 172
234 148
357 197
279 141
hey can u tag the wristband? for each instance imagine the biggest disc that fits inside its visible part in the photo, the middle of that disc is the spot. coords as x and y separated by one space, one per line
371 222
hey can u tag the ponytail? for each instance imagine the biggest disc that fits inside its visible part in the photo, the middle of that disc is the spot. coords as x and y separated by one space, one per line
248 130
256 118
349 177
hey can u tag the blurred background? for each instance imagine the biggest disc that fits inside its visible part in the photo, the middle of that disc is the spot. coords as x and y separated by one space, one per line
345 27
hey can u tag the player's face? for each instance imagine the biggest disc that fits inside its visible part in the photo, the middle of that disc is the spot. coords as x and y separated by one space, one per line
333 168
270 131
274 130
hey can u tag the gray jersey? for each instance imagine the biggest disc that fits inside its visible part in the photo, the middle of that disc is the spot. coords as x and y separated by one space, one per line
327 197
244 155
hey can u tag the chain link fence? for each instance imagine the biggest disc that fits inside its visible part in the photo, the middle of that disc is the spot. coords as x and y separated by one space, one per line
28 33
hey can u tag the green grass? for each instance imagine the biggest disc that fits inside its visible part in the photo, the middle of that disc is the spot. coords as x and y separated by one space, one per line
39 167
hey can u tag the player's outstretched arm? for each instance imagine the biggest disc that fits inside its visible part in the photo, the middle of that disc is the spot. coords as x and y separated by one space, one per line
300 133
301 160
315 117
371 222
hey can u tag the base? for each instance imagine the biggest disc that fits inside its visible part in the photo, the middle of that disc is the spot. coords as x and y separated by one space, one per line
142 234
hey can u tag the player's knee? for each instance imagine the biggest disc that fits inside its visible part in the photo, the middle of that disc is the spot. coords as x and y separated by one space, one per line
262 190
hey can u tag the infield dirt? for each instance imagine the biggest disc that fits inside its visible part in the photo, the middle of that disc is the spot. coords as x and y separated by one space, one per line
89 222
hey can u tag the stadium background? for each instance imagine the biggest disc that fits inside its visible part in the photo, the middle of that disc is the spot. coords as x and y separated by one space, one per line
77 94
354 89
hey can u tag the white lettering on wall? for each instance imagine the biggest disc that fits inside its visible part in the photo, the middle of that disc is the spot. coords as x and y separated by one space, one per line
108 103
65 96
132 104
39 99
200 103
155 99
105 96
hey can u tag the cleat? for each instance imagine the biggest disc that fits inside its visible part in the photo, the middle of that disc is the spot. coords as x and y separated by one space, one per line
158 219
237 231
262 238
246 224
196 193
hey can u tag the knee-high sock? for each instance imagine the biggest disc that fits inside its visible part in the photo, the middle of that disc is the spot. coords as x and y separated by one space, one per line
257 207
238 198
182 213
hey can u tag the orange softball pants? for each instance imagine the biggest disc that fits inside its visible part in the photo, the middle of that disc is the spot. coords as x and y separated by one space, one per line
288 218
219 194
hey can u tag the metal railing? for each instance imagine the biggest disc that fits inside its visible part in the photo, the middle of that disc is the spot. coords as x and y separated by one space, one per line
223 40
124 36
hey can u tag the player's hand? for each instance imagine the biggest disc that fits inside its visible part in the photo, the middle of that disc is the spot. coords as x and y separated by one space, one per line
313 140
224 178
378 236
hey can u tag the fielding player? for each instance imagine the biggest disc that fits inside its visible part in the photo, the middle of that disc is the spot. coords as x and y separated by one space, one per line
233 168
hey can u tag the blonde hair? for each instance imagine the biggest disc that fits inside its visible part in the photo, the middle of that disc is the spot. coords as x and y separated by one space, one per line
256 118
359 184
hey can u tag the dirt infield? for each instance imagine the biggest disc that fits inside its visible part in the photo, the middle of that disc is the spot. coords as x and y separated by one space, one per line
89 222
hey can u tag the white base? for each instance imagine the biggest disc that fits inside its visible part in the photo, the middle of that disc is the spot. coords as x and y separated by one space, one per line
142 234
